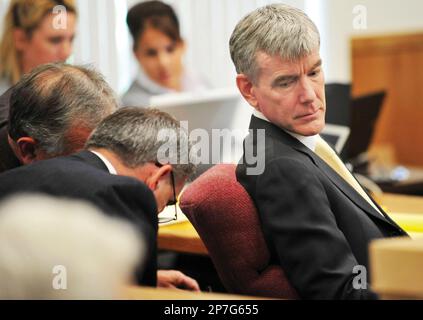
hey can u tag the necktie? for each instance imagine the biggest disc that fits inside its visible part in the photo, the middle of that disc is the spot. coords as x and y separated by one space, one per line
328 155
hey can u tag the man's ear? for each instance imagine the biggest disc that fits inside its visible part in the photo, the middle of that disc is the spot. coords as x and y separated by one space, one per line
20 39
155 178
246 88
25 150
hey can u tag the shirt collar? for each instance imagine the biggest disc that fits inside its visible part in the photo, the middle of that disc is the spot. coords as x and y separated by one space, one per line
106 162
309 142
259 115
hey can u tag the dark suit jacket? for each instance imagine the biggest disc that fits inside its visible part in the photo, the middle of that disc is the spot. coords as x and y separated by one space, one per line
317 226
4 108
84 176
8 160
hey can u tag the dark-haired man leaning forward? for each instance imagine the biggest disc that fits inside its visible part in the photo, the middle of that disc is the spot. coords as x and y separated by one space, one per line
318 224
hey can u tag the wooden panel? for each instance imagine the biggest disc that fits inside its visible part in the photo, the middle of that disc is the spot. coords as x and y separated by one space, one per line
396 266
393 63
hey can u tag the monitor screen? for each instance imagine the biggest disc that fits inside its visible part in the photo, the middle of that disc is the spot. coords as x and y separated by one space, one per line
365 111
336 136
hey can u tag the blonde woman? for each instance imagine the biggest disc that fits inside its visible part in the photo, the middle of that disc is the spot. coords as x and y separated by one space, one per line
34 34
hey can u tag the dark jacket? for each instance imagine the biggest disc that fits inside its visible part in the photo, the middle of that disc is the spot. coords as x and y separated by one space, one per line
4 108
8 160
84 176
317 227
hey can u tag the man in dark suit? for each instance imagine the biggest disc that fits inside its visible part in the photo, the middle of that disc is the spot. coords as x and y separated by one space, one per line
8 159
318 223
121 173
52 112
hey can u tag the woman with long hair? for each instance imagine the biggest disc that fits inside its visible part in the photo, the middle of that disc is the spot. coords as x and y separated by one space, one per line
35 34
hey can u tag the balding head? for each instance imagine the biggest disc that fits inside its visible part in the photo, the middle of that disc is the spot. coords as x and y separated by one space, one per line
57 106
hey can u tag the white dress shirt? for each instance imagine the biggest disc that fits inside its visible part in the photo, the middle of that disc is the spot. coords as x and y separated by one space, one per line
106 162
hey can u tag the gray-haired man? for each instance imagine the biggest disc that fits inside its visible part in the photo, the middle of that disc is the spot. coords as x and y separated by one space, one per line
122 173
317 225
52 112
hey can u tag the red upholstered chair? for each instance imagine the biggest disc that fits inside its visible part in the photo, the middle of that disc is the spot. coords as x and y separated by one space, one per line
226 220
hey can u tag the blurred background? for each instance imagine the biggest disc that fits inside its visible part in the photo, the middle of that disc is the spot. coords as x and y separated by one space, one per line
103 38
368 46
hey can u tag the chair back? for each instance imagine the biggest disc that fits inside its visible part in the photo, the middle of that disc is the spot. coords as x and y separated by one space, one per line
226 219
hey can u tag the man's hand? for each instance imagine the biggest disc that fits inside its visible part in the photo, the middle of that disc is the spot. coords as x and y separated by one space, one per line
176 280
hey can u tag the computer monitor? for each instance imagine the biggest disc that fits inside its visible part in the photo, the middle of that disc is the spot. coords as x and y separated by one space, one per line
338 103
336 136
217 111
365 111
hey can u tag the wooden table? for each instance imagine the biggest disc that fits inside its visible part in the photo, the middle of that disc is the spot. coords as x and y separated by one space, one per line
402 203
182 237
144 293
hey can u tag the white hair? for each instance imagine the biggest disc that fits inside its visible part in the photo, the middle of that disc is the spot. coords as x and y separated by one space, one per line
55 248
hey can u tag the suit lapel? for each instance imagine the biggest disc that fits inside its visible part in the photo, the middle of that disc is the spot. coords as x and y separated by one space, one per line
345 187
276 133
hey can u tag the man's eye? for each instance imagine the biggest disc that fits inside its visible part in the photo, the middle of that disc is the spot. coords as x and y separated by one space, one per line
285 84
314 73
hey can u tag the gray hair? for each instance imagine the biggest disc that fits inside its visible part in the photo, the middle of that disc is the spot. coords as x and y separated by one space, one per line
43 238
136 135
276 29
55 103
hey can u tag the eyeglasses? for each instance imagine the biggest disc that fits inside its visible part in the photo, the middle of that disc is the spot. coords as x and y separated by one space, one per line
171 203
